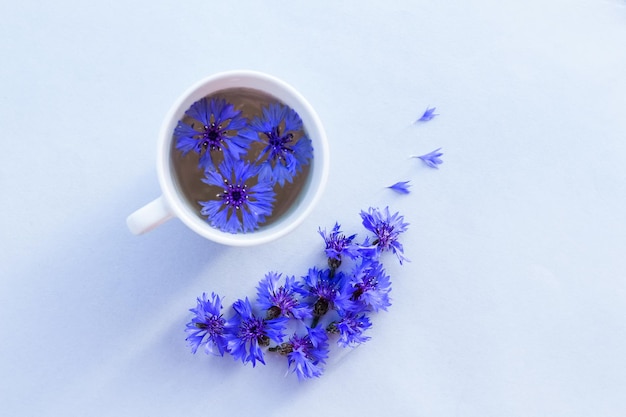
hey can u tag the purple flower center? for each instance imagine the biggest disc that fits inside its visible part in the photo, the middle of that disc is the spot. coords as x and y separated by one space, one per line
278 143
299 342
325 291
283 300
384 233
235 195
337 242
252 329
213 325
368 284
212 137
326 296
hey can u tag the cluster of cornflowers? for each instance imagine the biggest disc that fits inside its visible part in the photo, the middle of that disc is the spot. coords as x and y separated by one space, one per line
223 137
299 318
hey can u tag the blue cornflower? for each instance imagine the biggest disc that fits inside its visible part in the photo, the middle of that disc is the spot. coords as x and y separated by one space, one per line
401 187
338 245
370 287
308 353
215 127
287 149
350 328
281 301
243 204
429 114
207 326
432 159
386 228
246 334
324 290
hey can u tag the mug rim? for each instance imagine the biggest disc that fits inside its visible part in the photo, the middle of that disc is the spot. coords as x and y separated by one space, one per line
318 170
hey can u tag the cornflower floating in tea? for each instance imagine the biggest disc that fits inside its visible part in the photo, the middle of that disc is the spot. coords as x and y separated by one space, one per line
324 305
287 148
248 145
244 201
212 126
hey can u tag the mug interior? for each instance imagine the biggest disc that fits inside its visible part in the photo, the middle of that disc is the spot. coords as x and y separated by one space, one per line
318 167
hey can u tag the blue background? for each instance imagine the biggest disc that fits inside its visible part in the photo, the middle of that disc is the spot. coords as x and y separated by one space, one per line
514 303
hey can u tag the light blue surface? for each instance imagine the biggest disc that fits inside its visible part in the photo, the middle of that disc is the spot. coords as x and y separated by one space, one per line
514 303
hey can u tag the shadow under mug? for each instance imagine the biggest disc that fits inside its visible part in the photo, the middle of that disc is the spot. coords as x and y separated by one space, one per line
172 202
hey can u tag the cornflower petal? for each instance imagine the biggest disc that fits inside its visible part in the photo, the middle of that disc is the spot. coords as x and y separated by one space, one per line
401 187
428 115
432 159
187 140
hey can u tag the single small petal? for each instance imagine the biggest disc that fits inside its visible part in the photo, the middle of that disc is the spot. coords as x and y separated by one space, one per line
428 115
401 187
432 159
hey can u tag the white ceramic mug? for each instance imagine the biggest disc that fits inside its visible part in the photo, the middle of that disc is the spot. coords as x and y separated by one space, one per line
172 203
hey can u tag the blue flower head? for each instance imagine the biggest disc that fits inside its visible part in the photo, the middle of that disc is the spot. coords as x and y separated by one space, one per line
287 147
370 287
350 328
306 355
212 127
207 326
324 290
338 246
246 333
244 202
281 300
387 229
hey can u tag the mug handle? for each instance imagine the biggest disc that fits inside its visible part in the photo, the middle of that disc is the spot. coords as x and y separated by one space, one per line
149 216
